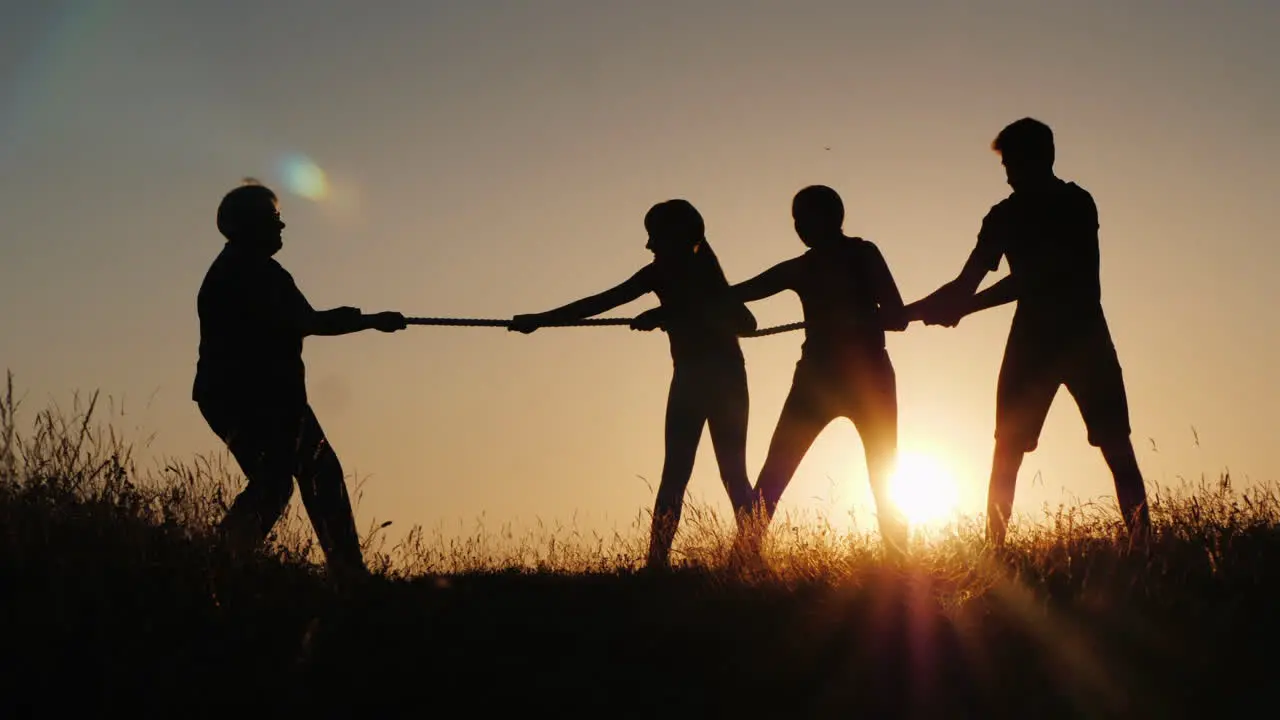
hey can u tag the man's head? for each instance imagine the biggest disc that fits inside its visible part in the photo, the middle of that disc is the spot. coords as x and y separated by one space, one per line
1026 150
249 217
673 226
818 212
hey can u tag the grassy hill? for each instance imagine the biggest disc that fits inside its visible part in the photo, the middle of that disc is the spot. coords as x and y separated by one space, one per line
113 597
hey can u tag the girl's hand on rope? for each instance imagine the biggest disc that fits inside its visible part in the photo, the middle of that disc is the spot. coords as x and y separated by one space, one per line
524 323
648 320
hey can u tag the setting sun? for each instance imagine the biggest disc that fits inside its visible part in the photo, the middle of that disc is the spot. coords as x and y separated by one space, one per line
923 489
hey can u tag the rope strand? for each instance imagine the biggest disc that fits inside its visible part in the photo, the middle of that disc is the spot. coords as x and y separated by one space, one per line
496 322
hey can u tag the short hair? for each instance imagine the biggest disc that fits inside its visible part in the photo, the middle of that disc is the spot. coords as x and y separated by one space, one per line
1027 139
240 201
820 201
675 215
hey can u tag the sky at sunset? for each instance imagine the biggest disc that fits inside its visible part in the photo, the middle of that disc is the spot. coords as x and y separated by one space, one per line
487 158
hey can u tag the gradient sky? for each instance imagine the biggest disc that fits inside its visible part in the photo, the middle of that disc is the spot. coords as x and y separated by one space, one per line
488 158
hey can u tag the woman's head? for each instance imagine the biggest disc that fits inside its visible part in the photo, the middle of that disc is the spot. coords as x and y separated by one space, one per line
674 226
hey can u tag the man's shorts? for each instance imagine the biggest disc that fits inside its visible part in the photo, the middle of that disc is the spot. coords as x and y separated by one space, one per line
1036 365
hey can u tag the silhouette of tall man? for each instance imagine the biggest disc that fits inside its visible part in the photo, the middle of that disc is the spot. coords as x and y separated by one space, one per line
1047 228
250 382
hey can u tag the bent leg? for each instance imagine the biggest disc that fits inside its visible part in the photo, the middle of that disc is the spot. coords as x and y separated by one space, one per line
324 494
803 416
798 426
256 439
683 430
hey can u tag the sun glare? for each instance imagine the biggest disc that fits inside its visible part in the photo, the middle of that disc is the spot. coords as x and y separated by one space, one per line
923 489
304 178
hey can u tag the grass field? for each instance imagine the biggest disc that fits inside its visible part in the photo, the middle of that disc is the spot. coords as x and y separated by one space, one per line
112 597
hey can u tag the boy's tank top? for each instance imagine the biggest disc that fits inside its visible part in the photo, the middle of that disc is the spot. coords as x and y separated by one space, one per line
839 301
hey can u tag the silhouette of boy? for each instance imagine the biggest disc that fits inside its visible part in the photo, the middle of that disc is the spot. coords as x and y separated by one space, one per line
709 379
250 382
849 299
1047 228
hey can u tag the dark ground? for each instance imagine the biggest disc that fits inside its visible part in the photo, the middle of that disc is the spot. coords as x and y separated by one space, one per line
99 611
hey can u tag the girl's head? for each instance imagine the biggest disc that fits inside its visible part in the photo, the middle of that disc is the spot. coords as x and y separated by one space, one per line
675 227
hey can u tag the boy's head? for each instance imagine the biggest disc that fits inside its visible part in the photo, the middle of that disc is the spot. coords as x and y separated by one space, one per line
673 226
249 217
1026 151
818 212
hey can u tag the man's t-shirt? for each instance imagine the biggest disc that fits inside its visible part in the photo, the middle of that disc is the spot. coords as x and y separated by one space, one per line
1050 238
837 284
251 329
697 306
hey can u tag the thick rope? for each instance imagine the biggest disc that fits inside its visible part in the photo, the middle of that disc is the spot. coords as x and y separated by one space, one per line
495 322
776 329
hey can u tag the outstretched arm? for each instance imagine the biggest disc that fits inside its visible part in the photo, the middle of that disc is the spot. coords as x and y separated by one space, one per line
955 299
620 294
294 311
966 283
347 320
766 284
1002 292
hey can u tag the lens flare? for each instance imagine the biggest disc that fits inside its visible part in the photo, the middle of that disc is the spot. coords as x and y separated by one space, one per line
304 178
923 489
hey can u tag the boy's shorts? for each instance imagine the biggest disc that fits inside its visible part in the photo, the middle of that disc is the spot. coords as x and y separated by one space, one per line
861 386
